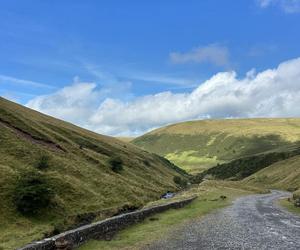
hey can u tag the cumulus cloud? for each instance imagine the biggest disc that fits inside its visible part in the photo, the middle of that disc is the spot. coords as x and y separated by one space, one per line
270 93
73 103
288 6
213 53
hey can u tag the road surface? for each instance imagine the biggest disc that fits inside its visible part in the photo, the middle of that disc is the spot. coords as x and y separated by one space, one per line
252 222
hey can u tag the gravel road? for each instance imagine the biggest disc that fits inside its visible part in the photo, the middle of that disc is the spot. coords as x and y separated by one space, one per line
252 222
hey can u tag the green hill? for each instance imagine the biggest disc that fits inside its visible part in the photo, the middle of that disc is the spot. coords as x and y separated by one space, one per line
199 145
86 175
282 175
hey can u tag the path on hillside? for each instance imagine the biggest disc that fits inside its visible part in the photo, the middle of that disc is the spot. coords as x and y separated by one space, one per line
252 222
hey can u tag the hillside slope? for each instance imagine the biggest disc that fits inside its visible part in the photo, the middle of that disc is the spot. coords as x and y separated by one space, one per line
281 175
198 145
78 169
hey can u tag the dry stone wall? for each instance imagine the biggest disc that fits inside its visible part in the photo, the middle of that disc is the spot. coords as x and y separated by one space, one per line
104 229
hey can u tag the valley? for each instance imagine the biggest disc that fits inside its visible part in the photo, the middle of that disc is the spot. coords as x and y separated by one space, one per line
199 145
81 177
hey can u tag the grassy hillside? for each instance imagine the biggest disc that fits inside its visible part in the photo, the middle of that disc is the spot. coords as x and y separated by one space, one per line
77 167
241 168
283 175
199 145
125 138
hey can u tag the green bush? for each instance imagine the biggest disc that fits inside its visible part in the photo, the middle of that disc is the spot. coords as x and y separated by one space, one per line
32 193
43 162
179 181
116 164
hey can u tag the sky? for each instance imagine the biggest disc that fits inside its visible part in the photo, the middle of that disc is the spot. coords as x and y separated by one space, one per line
127 67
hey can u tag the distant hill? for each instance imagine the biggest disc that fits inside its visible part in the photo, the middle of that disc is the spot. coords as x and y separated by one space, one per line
79 168
199 145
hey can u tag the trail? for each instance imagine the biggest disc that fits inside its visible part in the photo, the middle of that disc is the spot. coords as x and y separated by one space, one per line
251 222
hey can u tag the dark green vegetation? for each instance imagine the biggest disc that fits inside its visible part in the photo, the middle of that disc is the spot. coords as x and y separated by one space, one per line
43 162
76 175
180 181
199 145
244 167
32 193
116 164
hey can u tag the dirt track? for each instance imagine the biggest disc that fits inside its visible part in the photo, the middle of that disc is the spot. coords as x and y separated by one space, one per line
252 222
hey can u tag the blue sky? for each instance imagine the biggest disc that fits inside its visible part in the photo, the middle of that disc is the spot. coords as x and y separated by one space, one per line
125 51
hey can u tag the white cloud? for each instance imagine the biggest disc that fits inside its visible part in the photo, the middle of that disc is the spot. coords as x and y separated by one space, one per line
270 93
73 103
264 3
213 53
16 81
288 6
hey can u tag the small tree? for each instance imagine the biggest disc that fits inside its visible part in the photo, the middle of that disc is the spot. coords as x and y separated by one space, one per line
177 180
32 193
116 164
43 162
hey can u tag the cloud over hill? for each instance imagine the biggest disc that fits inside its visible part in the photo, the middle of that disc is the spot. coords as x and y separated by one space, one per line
270 93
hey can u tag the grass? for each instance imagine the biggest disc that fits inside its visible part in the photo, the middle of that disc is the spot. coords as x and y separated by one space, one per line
241 168
281 175
78 171
221 140
125 138
191 163
144 233
289 206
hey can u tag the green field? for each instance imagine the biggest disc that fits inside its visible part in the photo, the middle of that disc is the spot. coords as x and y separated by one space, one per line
78 172
199 145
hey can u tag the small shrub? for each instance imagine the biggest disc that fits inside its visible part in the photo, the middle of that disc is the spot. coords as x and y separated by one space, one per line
223 197
116 164
153 218
179 181
32 193
43 163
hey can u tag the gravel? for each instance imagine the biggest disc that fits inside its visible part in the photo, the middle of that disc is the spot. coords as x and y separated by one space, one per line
252 222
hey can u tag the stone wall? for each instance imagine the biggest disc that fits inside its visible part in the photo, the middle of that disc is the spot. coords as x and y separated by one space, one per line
104 229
